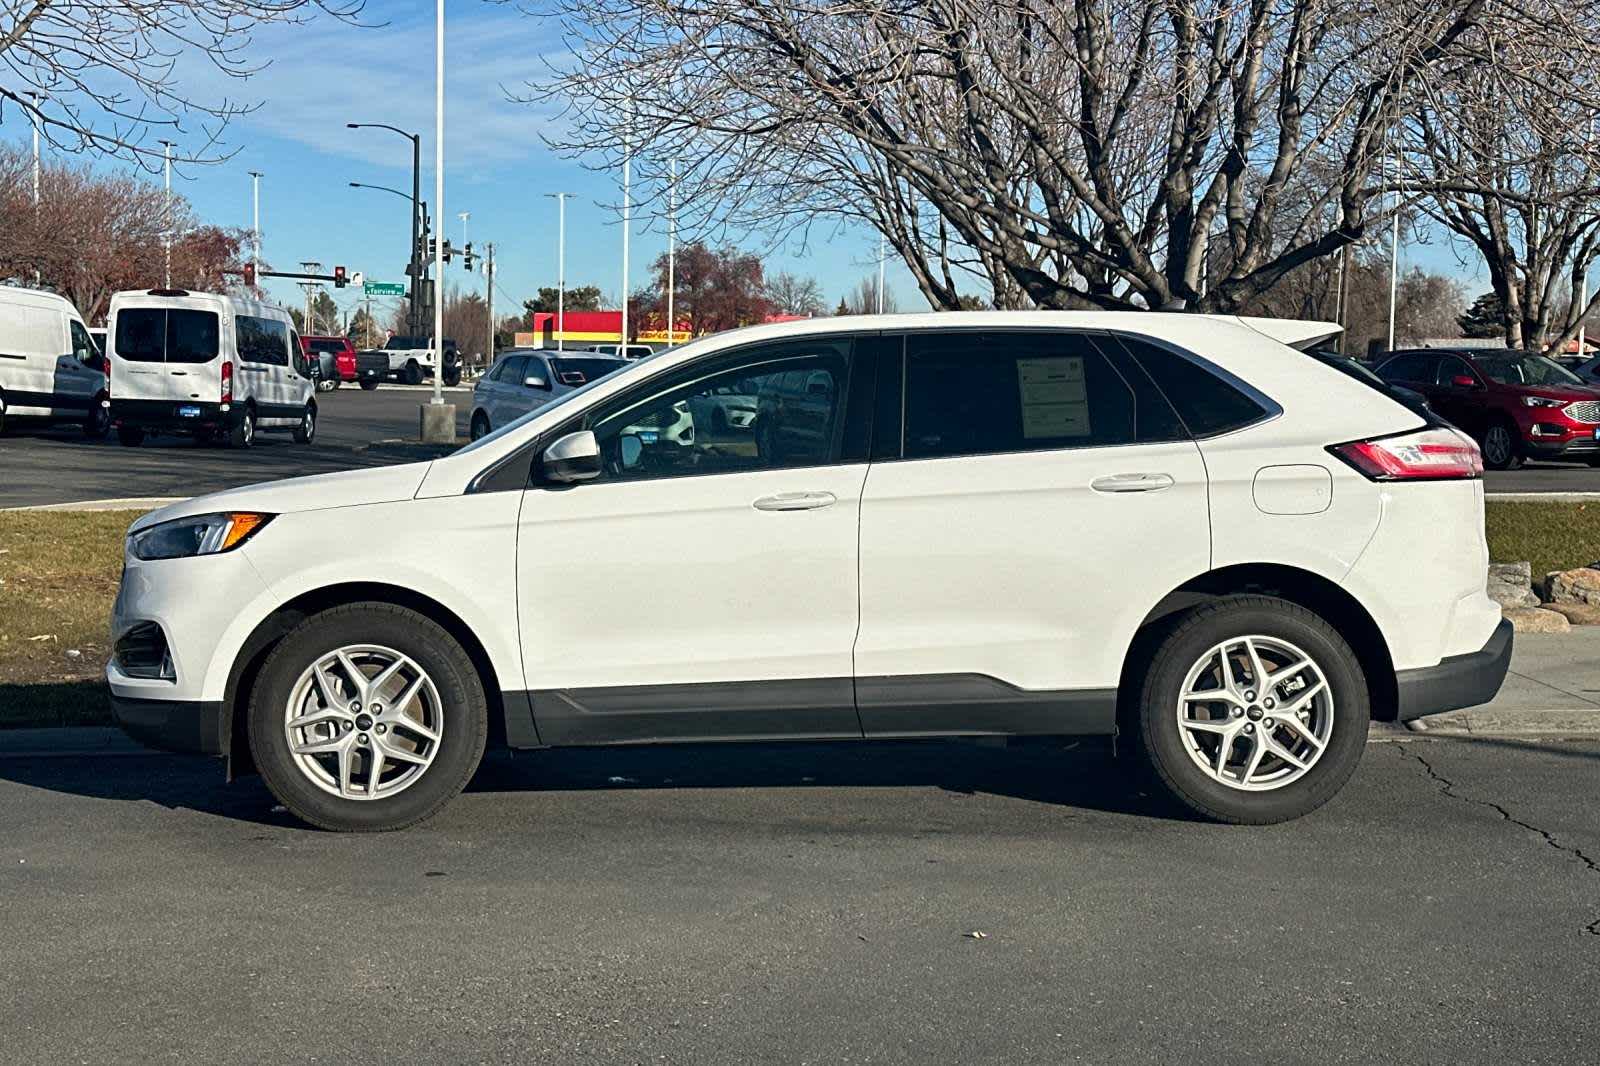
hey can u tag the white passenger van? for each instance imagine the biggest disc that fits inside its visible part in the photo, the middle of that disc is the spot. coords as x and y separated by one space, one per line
215 367
49 368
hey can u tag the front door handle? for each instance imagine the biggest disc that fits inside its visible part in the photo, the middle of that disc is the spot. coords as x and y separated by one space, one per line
1132 483
795 501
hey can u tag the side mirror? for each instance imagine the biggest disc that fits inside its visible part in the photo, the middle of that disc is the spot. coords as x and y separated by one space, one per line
534 381
1464 381
575 457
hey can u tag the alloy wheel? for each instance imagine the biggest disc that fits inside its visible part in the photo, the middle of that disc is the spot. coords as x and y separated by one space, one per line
1497 445
364 722
1255 713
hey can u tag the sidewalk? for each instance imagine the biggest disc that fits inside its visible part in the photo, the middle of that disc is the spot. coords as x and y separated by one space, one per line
1552 691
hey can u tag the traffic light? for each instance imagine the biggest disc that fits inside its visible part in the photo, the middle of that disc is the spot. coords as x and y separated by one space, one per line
448 251
249 275
433 248
339 278
469 257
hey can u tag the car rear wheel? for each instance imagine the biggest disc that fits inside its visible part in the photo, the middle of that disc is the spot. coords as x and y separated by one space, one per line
97 423
1500 448
1254 711
130 436
367 717
480 425
243 434
413 373
368 384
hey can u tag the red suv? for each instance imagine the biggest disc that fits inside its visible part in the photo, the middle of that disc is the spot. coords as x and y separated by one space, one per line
335 358
1518 406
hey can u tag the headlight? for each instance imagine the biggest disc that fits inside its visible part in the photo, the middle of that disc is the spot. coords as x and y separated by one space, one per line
205 534
1542 401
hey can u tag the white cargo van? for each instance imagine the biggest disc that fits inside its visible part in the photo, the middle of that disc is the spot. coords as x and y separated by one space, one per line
49 368
214 367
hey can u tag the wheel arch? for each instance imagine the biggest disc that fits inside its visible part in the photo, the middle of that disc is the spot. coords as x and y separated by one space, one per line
1310 590
274 627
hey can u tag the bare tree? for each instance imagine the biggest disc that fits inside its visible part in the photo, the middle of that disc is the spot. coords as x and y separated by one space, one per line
102 75
1068 153
794 295
863 298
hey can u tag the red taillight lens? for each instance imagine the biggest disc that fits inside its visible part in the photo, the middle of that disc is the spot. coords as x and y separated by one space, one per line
227 381
1434 454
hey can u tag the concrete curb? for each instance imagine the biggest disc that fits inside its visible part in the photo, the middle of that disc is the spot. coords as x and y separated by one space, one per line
128 503
1541 497
1486 723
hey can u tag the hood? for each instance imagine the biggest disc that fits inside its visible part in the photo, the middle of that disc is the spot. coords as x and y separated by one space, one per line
347 488
1556 392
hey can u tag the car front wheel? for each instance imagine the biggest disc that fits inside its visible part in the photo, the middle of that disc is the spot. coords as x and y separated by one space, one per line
1254 711
480 425
367 717
1500 450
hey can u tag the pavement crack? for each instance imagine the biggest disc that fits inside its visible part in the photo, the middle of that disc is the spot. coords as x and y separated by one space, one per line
1448 788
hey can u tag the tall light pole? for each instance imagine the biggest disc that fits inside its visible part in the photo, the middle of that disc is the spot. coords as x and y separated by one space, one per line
255 219
34 117
166 152
672 249
438 205
627 214
881 256
1394 254
418 213
561 267
463 216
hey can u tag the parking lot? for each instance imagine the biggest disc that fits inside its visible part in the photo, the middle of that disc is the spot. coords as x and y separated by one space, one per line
807 904
54 465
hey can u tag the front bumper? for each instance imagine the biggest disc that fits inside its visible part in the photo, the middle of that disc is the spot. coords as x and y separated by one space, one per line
166 415
1457 681
194 726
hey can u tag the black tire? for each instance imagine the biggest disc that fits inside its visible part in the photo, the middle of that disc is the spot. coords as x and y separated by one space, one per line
130 436
243 433
413 373
98 421
480 425
1511 456
461 741
1594 460
2 411
1166 752
306 431
452 376
368 384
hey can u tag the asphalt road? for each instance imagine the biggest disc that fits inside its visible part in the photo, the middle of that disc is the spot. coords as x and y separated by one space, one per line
40 465
53 464
807 904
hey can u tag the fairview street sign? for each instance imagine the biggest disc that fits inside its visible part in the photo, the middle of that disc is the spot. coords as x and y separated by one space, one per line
384 288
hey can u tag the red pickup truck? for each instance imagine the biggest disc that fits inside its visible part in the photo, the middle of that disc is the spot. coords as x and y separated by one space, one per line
334 358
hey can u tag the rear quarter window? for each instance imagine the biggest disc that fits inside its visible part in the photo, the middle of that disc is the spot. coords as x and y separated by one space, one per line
1206 401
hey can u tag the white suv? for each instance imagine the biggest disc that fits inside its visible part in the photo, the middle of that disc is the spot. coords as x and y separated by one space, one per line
1173 528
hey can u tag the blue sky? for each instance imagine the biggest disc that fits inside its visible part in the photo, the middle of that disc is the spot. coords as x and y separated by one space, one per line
322 75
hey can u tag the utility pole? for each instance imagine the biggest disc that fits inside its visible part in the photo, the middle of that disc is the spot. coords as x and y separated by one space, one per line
1394 254
463 216
672 249
627 212
488 298
166 152
255 218
561 267
34 117
311 287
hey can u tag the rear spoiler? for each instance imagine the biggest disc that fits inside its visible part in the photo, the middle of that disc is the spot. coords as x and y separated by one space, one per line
1295 332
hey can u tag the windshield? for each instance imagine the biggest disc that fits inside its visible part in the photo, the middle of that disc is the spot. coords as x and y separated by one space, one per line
542 409
1526 370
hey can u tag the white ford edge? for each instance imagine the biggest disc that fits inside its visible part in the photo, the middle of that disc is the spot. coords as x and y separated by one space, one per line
1172 528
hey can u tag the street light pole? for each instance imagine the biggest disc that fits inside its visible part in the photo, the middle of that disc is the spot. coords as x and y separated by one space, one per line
627 214
255 219
438 205
166 152
881 254
672 249
37 276
561 268
1394 255
418 210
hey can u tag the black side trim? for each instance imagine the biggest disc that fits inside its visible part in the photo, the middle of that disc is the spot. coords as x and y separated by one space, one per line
280 410
1458 681
811 708
520 729
18 358
968 704
172 725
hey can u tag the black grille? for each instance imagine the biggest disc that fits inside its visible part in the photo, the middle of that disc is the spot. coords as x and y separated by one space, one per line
142 652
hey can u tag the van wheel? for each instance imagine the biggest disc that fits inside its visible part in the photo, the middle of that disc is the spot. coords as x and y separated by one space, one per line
413 373
307 429
130 436
480 425
243 434
1254 711
368 384
367 717
98 422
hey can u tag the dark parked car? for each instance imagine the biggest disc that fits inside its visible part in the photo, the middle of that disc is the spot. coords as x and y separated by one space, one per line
1363 373
1518 406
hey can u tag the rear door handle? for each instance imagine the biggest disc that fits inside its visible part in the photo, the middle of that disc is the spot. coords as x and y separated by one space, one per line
795 501
1132 483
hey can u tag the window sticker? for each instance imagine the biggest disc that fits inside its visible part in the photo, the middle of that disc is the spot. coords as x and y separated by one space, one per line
1054 401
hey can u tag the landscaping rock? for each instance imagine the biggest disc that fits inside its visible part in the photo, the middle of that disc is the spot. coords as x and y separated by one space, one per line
1536 620
1579 614
1511 585
1572 586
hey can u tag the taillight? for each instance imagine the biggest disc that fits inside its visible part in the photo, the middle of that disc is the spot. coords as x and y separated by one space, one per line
1433 454
227 381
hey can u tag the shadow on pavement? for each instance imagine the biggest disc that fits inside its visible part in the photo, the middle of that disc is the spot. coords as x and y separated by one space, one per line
56 703
1078 776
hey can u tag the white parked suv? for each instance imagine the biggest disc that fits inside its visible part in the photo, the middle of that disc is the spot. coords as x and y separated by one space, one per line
1173 528
214 367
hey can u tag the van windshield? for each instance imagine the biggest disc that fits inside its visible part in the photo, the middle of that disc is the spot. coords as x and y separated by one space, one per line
166 335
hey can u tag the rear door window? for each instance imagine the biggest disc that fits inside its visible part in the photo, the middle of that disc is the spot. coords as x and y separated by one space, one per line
167 335
1415 367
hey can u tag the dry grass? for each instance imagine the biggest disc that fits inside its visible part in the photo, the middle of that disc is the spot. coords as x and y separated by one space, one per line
58 578
1550 534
